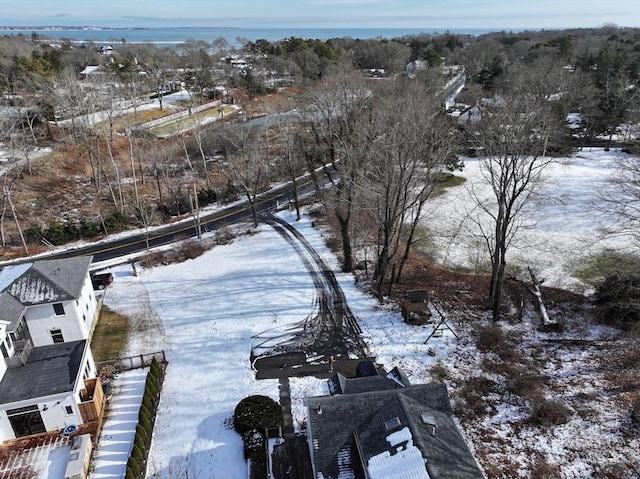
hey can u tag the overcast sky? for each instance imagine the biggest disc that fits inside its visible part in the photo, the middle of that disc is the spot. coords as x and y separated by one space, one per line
500 14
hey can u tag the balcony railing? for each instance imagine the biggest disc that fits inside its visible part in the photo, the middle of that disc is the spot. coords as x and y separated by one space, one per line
23 349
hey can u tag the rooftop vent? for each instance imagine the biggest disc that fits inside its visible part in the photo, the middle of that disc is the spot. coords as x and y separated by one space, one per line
430 421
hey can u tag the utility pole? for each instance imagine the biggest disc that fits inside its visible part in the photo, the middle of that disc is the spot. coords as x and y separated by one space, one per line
195 208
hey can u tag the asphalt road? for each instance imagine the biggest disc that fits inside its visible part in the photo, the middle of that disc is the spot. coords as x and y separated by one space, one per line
137 242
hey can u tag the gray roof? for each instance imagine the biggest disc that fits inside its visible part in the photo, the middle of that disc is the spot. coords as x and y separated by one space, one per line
340 384
341 425
51 369
40 282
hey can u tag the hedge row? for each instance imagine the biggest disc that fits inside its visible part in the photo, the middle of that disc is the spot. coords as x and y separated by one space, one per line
137 463
62 233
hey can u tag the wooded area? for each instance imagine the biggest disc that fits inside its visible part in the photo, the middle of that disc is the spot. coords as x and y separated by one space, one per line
81 164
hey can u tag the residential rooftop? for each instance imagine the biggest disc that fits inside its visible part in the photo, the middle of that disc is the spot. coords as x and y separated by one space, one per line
50 370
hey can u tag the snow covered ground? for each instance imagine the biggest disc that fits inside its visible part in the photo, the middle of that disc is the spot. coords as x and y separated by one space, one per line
203 313
118 431
562 223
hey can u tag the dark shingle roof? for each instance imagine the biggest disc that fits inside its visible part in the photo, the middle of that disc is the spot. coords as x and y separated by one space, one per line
363 415
40 282
51 369
339 384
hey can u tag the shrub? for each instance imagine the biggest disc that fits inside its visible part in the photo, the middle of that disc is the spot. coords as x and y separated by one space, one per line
155 369
142 436
253 442
138 454
618 300
439 372
549 412
473 394
618 470
525 384
542 468
256 412
491 338
133 468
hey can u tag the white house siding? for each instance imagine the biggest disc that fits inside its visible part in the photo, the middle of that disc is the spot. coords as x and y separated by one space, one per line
87 305
75 324
8 345
41 319
55 416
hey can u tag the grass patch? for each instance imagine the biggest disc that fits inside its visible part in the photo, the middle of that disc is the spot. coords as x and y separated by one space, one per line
190 122
593 269
449 180
110 336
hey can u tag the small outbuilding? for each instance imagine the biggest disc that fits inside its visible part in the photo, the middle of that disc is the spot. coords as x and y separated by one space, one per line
415 307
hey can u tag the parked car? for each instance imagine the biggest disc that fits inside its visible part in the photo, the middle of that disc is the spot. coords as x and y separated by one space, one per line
101 280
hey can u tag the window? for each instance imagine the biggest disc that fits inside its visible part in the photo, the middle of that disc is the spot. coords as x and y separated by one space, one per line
392 424
58 308
84 318
56 336
26 421
68 409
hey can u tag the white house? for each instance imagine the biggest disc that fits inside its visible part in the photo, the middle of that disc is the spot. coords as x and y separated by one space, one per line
48 378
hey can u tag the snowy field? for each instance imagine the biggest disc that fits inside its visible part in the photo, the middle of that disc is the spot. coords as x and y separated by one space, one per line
561 222
209 308
204 312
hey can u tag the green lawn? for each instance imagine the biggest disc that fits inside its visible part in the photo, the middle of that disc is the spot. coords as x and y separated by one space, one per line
190 122
110 336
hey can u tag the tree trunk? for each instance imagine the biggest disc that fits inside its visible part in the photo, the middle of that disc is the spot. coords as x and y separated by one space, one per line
347 261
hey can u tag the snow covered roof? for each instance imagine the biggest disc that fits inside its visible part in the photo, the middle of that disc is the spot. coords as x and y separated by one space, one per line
403 461
354 431
90 69
40 282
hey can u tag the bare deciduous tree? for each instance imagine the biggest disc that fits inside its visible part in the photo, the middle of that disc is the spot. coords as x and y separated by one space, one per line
411 146
512 138
337 104
248 162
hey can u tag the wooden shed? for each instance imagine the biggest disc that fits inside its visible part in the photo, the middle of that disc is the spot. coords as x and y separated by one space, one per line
415 307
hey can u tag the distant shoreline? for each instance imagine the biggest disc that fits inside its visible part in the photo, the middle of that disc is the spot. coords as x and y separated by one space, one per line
176 35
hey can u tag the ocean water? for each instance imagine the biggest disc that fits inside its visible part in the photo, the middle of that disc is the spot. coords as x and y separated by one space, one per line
172 36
